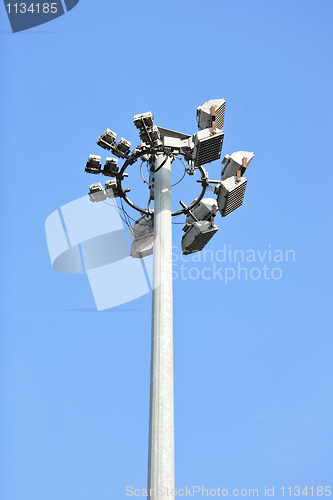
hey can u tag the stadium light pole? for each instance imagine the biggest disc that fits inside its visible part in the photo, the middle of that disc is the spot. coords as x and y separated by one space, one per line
159 147
161 463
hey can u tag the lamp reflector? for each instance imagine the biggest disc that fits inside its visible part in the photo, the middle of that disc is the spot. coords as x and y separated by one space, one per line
93 165
230 194
204 211
204 114
123 145
235 162
207 146
111 189
96 192
111 167
143 242
108 137
197 236
143 119
152 134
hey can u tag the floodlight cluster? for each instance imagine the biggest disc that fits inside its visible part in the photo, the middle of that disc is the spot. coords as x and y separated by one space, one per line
201 148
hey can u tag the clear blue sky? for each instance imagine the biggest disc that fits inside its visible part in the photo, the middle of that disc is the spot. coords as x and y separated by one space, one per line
253 358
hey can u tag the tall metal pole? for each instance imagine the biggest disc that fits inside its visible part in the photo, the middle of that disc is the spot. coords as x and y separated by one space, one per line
161 463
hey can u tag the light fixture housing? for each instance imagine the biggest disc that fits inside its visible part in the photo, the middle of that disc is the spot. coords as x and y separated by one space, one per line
111 167
143 242
150 135
93 165
204 211
235 162
111 189
143 119
123 145
197 235
107 139
143 226
207 146
96 192
204 114
230 194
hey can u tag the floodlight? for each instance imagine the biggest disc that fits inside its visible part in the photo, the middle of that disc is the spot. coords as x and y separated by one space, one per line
144 119
207 146
197 235
235 162
142 247
152 134
143 230
123 145
96 192
230 194
204 114
108 137
93 165
143 226
95 188
145 123
204 211
111 189
111 167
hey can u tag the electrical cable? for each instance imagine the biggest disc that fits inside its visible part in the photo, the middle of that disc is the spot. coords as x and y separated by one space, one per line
162 164
144 180
129 225
119 208
172 185
119 213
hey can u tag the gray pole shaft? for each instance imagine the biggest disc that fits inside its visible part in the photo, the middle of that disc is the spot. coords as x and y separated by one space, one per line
161 463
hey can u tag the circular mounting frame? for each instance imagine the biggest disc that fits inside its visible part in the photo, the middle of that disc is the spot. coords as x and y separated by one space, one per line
153 151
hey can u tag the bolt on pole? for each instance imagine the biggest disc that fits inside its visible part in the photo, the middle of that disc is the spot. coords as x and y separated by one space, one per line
161 463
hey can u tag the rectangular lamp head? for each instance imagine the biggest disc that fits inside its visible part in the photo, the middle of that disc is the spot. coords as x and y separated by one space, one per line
197 236
108 137
204 211
143 246
235 162
204 114
96 192
230 194
142 119
123 145
143 226
143 243
111 189
207 146
151 135
93 165
111 167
